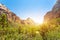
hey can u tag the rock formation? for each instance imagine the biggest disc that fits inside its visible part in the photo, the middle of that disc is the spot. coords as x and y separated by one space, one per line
54 13
28 21
12 17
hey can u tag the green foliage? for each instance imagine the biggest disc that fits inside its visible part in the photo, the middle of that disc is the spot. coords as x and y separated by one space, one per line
3 20
15 31
51 30
53 34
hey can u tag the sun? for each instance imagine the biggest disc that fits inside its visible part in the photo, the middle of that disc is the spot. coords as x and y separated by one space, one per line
38 21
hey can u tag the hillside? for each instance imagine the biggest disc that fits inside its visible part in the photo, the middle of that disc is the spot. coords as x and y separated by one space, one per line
54 13
12 17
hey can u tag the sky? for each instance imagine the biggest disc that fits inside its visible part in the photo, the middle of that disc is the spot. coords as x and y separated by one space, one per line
35 9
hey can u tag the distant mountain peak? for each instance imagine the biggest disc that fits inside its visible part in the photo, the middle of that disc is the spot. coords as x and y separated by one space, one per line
28 18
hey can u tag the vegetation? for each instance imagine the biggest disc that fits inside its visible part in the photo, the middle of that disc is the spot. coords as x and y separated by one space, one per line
13 31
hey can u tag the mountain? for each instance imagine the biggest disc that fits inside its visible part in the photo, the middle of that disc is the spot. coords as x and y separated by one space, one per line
54 13
12 17
28 21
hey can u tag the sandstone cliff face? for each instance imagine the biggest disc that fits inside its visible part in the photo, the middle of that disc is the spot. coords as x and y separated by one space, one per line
12 17
54 13
28 21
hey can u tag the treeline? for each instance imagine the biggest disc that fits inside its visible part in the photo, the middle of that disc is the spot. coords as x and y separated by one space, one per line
15 31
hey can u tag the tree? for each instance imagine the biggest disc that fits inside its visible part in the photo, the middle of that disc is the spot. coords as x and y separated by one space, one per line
3 20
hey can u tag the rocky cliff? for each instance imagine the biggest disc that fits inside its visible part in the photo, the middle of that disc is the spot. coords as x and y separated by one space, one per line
54 13
28 21
12 17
